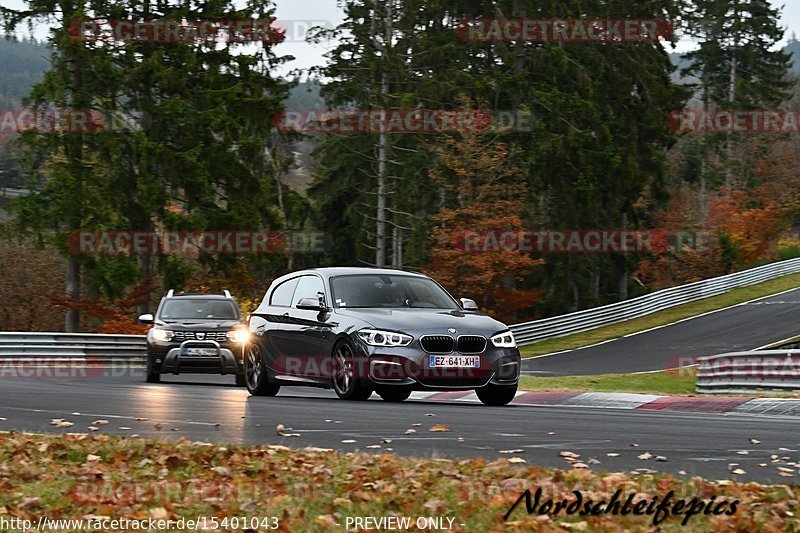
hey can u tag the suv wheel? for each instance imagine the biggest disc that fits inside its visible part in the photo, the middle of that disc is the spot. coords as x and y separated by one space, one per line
256 376
347 380
152 375
496 395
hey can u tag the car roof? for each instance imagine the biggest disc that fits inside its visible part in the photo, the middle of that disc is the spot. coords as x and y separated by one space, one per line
345 271
199 295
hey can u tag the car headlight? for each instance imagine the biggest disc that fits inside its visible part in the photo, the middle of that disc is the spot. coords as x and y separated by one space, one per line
504 340
376 337
239 335
162 335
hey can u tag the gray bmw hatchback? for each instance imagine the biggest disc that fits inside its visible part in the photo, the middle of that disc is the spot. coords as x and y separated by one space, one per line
365 330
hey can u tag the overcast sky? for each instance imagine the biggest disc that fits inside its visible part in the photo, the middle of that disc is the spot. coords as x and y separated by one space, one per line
299 13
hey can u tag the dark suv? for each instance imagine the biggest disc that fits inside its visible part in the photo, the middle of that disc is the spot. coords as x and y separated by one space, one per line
195 333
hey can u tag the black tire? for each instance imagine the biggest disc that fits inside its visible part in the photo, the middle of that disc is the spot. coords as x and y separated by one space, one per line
394 394
347 381
496 395
151 375
256 376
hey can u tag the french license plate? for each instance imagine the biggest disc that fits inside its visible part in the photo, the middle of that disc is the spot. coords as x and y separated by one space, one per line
455 361
200 351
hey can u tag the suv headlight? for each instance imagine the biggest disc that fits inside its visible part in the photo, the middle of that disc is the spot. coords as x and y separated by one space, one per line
376 337
504 340
162 335
238 335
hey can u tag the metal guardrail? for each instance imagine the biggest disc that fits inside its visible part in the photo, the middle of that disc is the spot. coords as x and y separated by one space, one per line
580 321
749 372
71 348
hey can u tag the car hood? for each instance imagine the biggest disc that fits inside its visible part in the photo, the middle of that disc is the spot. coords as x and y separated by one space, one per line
426 320
200 325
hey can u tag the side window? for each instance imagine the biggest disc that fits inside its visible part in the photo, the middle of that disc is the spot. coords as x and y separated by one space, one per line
309 287
282 295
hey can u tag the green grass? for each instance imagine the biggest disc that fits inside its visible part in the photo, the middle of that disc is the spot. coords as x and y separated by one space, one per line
668 383
736 296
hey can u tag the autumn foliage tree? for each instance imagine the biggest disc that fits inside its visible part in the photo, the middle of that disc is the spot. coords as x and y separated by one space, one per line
484 191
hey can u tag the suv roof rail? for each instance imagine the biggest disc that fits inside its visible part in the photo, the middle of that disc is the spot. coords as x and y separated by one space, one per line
170 293
227 293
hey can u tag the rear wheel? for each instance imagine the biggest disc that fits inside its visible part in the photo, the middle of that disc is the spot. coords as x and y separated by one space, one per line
256 377
394 394
347 381
496 394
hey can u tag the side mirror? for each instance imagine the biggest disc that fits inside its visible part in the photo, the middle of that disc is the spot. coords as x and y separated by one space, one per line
310 304
468 304
146 318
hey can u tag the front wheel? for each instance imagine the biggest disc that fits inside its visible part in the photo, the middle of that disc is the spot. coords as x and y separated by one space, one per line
256 376
152 376
496 395
347 381
394 394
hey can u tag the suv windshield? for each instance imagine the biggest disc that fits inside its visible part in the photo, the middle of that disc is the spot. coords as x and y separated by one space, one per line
199 309
389 291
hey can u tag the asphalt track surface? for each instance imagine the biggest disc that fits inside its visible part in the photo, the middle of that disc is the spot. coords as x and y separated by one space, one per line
746 326
212 409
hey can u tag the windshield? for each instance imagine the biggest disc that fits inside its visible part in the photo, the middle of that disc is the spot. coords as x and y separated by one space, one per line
389 291
199 309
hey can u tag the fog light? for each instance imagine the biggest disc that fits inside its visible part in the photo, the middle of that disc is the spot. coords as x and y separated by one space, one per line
508 370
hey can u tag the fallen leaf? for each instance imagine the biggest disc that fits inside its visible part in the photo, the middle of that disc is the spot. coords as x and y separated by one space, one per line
221 470
92 457
568 454
348 441
661 458
99 422
645 456
593 461
612 454
325 520
93 428
386 441
512 451
429 414
634 445
755 441
738 472
372 446
580 466
279 429
410 431
743 452
416 425
124 428
439 428
516 460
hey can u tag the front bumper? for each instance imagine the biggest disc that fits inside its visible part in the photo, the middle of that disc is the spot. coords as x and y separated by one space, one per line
410 366
175 360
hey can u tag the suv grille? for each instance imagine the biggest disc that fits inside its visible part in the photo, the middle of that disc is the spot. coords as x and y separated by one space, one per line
219 336
471 344
437 343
